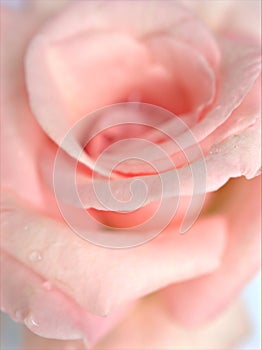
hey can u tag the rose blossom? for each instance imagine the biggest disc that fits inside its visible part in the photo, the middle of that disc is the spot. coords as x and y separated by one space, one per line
88 55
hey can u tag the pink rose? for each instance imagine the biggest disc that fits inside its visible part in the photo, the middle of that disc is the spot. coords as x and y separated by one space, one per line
181 80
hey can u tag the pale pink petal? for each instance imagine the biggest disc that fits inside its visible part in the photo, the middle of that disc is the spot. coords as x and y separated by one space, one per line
101 279
149 326
130 17
25 297
75 76
238 155
239 18
199 300
33 342
237 108
240 69
243 117
45 309
19 127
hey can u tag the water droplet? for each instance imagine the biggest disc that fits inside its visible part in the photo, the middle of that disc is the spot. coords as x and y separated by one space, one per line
47 285
35 256
214 149
30 322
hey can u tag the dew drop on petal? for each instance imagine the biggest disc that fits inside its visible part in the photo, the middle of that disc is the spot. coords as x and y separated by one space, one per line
214 149
35 256
30 321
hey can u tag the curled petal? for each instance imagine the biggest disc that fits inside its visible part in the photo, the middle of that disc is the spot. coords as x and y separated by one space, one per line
98 278
240 262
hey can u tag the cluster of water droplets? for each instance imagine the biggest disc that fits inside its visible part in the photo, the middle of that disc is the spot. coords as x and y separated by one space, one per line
35 255
215 149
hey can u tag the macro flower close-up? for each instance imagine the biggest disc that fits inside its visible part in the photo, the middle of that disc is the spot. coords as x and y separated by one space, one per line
130 172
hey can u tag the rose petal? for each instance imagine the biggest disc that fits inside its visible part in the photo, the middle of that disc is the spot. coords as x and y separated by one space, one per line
230 17
149 326
58 87
45 309
240 68
20 129
34 342
236 156
242 258
244 116
99 278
